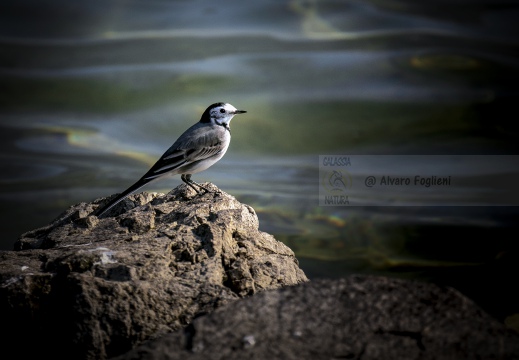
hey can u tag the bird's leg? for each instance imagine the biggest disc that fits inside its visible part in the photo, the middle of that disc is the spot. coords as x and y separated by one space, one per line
187 179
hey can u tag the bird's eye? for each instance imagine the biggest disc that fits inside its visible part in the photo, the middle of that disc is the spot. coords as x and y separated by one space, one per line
222 111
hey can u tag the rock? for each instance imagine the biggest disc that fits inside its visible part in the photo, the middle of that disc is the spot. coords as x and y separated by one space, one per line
89 288
360 317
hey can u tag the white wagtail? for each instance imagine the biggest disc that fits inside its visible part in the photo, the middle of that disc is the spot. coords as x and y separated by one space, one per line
198 148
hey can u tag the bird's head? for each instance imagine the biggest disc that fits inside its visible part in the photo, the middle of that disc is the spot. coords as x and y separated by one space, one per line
220 114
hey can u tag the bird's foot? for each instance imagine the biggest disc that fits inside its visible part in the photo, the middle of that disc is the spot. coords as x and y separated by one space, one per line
206 190
199 192
187 179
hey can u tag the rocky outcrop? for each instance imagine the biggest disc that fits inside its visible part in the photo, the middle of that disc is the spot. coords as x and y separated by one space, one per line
170 277
89 288
360 317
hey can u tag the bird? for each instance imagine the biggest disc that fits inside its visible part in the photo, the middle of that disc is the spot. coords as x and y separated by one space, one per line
197 149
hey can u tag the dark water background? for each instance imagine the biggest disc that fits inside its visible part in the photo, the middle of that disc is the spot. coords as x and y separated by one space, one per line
91 93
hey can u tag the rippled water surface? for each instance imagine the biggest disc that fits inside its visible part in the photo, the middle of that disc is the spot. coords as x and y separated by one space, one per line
93 93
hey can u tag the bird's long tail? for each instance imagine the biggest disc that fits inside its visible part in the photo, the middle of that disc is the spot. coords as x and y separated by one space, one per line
99 212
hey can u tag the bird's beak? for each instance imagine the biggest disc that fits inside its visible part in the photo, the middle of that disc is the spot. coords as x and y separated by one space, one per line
239 112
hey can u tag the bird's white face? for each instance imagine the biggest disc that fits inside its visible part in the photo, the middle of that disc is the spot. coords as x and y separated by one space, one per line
223 113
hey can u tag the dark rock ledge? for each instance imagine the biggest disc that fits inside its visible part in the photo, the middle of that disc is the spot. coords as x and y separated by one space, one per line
171 277
360 317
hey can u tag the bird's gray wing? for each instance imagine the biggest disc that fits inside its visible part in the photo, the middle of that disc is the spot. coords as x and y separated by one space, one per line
199 142
194 145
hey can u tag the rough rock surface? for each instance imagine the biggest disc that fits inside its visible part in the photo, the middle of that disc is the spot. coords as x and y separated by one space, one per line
359 317
89 288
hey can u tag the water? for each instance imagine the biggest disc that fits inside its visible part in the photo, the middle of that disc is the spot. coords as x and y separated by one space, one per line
93 93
